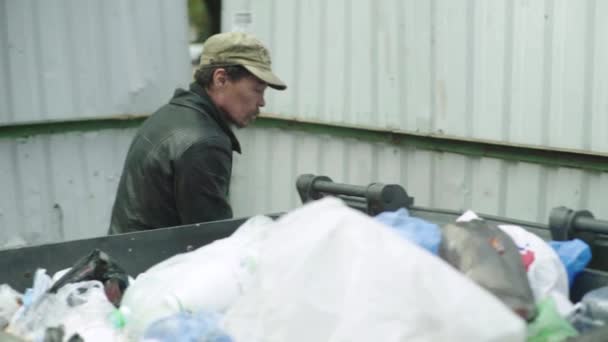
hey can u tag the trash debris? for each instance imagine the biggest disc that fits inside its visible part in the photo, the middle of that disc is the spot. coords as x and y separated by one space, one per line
575 256
10 302
546 272
209 278
489 257
97 266
79 308
184 326
416 230
592 310
549 325
330 273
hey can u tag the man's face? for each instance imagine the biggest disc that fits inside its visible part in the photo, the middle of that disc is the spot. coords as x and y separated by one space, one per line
243 99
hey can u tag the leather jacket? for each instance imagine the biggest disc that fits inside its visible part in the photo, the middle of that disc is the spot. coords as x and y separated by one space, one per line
178 167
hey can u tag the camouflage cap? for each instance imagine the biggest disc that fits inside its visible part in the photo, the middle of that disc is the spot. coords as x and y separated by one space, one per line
239 48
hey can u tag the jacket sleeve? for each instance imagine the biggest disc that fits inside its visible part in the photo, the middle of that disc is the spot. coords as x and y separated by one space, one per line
202 178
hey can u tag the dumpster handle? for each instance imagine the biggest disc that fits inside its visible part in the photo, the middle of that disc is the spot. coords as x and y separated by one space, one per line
565 223
371 199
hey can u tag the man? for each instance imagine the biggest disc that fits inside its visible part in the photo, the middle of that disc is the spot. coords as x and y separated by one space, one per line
178 167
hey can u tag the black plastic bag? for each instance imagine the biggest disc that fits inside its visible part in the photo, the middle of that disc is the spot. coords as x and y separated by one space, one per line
97 266
489 257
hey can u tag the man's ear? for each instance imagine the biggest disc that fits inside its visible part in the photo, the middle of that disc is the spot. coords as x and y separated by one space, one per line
220 77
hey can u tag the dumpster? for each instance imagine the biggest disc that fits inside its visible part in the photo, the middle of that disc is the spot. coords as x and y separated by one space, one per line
136 252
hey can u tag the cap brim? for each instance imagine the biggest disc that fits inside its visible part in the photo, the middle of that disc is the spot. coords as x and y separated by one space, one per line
267 76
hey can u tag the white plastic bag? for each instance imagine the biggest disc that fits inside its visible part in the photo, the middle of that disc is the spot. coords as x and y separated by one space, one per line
329 273
546 273
81 308
209 278
9 304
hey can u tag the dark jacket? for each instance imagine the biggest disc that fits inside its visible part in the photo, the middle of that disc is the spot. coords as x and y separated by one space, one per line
178 167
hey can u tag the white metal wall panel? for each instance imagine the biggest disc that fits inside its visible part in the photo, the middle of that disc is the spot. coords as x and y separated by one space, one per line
71 59
62 186
264 176
513 71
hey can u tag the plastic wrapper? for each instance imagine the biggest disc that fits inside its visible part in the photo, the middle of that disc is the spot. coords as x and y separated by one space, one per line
97 266
489 257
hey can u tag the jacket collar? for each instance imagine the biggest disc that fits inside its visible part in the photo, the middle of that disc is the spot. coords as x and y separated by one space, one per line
198 99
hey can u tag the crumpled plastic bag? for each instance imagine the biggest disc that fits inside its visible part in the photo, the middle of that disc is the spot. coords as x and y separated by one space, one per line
80 308
489 257
97 265
546 272
414 229
10 302
549 325
330 273
42 283
184 326
575 256
209 278
592 311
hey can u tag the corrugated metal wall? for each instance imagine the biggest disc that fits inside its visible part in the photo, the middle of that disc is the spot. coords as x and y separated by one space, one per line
57 187
265 174
515 71
61 186
86 58
521 72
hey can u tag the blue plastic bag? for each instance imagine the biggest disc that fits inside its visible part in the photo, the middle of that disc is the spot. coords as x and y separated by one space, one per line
574 254
416 230
187 327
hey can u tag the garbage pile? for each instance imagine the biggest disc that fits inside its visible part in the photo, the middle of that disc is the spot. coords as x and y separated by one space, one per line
324 272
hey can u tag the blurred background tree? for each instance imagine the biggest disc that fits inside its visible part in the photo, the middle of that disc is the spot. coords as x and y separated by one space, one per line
205 19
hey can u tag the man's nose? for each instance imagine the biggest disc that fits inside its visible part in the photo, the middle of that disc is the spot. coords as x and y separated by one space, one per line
262 102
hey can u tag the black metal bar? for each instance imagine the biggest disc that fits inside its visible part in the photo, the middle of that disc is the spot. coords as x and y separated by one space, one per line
565 223
373 198
341 189
591 225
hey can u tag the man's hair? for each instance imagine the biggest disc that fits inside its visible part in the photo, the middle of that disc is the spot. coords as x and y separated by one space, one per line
204 75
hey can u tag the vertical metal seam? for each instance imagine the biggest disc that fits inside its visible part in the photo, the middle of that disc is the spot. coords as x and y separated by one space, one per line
547 71
164 32
541 200
296 58
72 69
84 169
105 77
585 187
374 151
502 186
347 61
269 149
40 63
374 68
433 66
52 192
272 15
469 184
589 76
322 60
293 199
508 72
402 69
433 178
470 67
346 174
5 51
404 153
320 148
18 186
